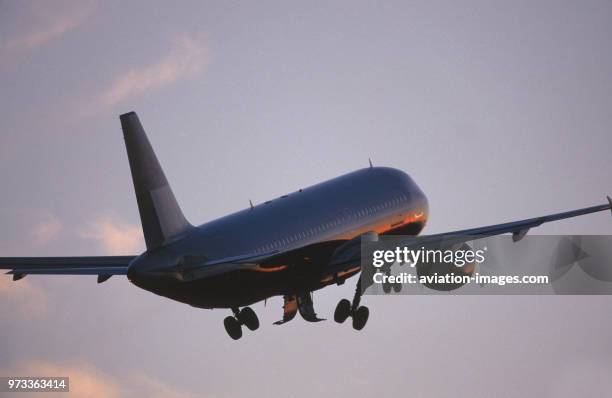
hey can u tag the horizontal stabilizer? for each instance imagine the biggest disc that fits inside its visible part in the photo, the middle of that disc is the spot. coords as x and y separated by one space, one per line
94 265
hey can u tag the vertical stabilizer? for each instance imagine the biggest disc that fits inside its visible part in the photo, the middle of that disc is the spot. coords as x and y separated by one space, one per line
160 214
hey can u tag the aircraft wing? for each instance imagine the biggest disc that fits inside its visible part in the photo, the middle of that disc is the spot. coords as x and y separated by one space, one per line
103 266
518 229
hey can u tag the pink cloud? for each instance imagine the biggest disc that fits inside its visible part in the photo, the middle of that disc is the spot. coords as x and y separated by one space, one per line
84 380
45 22
22 297
87 381
115 237
147 386
46 230
188 57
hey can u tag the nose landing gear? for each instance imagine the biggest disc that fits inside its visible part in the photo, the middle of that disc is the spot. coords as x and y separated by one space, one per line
345 309
246 317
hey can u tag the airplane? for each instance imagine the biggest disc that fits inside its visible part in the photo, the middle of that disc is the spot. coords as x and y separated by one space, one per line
290 246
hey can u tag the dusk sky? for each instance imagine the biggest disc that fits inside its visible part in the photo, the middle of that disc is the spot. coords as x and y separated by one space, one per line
498 110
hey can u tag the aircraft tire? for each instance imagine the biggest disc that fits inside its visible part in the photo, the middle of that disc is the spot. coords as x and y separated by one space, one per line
343 311
360 317
248 318
232 327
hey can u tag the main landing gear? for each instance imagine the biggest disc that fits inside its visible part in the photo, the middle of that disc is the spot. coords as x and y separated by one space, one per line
245 316
360 314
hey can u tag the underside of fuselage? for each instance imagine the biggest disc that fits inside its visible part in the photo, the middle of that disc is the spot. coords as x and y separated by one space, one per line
246 287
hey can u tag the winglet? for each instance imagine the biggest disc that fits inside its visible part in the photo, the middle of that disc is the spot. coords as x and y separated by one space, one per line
610 202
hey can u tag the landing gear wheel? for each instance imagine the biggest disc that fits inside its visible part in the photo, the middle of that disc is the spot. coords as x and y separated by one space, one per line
232 327
248 318
360 314
343 311
397 287
360 317
386 288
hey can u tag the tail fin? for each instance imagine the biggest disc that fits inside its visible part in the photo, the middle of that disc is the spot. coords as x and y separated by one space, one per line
160 214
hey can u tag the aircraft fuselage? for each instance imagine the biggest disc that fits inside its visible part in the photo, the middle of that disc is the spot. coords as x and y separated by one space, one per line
317 219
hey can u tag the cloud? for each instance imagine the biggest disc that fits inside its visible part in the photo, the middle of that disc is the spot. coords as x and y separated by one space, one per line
114 236
188 57
46 230
46 22
31 229
146 386
86 381
22 297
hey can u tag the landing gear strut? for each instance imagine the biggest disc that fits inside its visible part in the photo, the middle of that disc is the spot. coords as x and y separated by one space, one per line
346 309
246 317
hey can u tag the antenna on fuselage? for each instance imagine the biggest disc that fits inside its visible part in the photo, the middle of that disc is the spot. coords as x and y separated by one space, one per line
370 160
251 203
